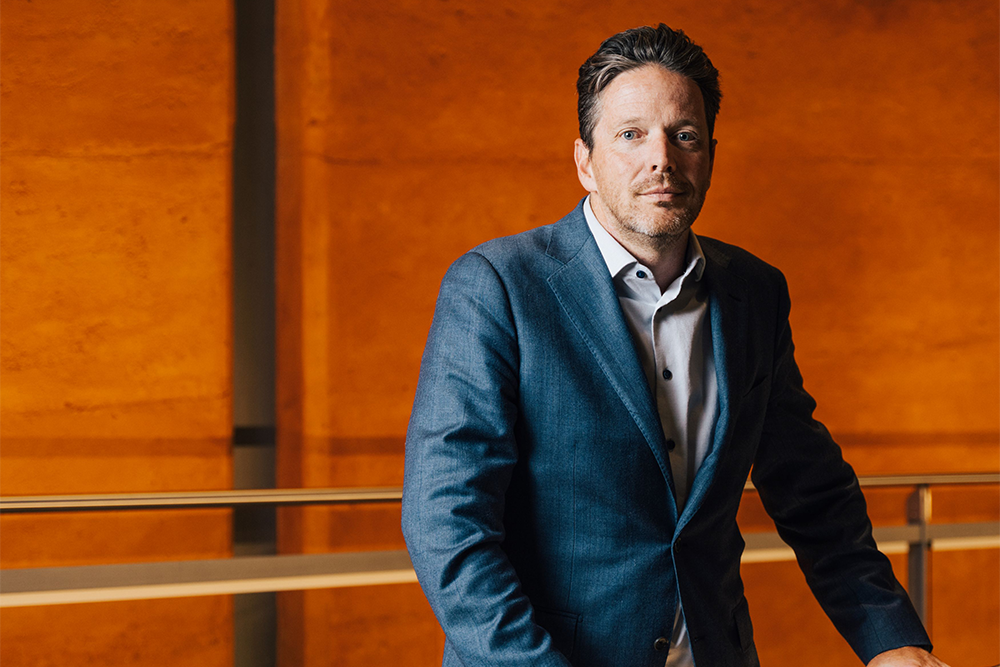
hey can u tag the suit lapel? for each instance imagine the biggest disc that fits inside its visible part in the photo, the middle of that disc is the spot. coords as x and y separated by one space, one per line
584 288
729 320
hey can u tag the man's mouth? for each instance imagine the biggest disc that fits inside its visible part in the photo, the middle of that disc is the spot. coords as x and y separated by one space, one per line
663 195
665 190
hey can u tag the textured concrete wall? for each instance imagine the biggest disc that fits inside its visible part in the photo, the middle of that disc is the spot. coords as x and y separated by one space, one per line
114 197
858 151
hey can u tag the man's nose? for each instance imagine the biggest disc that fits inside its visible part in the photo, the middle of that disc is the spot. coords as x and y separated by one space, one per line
661 154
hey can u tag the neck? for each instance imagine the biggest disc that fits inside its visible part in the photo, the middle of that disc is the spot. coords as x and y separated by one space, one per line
664 255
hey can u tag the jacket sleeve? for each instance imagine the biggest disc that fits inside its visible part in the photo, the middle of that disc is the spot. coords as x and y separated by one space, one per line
817 505
460 452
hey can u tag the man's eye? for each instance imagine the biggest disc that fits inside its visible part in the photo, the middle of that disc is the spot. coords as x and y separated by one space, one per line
629 135
686 136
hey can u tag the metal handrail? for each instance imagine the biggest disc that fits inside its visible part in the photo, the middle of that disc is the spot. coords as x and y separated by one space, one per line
227 576
236 497
201 499
140 581
870 481
916 539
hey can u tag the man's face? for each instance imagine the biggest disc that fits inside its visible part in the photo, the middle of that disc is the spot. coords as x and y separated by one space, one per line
651 164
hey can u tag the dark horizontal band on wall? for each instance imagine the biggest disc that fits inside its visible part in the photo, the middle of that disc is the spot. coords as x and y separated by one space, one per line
918 439
254 435
346 446
113 447
33 447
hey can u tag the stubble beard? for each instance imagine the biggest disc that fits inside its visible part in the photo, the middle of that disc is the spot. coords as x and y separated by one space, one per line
660 228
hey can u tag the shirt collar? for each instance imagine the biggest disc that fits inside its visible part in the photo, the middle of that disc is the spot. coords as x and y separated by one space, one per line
617 257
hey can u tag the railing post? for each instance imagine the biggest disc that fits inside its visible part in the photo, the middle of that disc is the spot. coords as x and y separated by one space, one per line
919 561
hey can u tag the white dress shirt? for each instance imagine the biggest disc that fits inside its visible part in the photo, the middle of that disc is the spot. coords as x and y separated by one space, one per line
673 339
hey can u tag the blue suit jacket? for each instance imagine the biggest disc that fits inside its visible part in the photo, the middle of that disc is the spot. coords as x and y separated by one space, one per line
538 506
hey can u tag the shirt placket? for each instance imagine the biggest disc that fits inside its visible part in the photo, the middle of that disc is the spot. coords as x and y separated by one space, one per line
666 398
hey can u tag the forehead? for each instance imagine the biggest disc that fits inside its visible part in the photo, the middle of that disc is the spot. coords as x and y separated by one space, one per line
651 93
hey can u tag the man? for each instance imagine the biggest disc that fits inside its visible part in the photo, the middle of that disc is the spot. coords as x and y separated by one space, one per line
591 400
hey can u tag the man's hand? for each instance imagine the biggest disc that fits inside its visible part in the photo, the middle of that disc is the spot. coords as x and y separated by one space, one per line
908 656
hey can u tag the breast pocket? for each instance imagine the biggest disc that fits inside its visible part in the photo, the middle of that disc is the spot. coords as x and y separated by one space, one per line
561 626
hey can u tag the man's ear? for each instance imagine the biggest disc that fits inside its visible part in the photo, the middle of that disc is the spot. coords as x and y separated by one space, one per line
584 169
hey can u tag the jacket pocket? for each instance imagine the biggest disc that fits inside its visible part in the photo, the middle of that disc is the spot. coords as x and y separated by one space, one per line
561 625
757 384
743 626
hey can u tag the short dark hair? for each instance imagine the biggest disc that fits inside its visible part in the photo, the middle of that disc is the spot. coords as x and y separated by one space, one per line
670 49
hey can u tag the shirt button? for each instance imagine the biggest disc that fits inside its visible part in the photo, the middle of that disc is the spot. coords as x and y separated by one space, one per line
640 274
661 644
671 444
667 374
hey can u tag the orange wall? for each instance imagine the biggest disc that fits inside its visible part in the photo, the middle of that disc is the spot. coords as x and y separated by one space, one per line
858 151
114 197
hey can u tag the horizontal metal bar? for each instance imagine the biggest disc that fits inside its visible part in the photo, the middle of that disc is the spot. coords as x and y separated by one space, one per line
141 581
966 543
232 498
784 552
772 555
933 480
914 480
909 533
952 531
769 547
191 499
882 534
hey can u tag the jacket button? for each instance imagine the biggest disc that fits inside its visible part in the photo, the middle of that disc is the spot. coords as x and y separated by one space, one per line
661 644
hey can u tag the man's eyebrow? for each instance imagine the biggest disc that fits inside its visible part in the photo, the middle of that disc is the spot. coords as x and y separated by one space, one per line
638 121
685 122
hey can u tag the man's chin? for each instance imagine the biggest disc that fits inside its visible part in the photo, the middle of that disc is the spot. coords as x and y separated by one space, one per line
663 230
673 220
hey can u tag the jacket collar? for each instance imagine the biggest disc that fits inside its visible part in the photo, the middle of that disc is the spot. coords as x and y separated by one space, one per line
583 287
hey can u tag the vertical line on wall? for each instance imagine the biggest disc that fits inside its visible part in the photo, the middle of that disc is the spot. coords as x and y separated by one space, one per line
253 239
